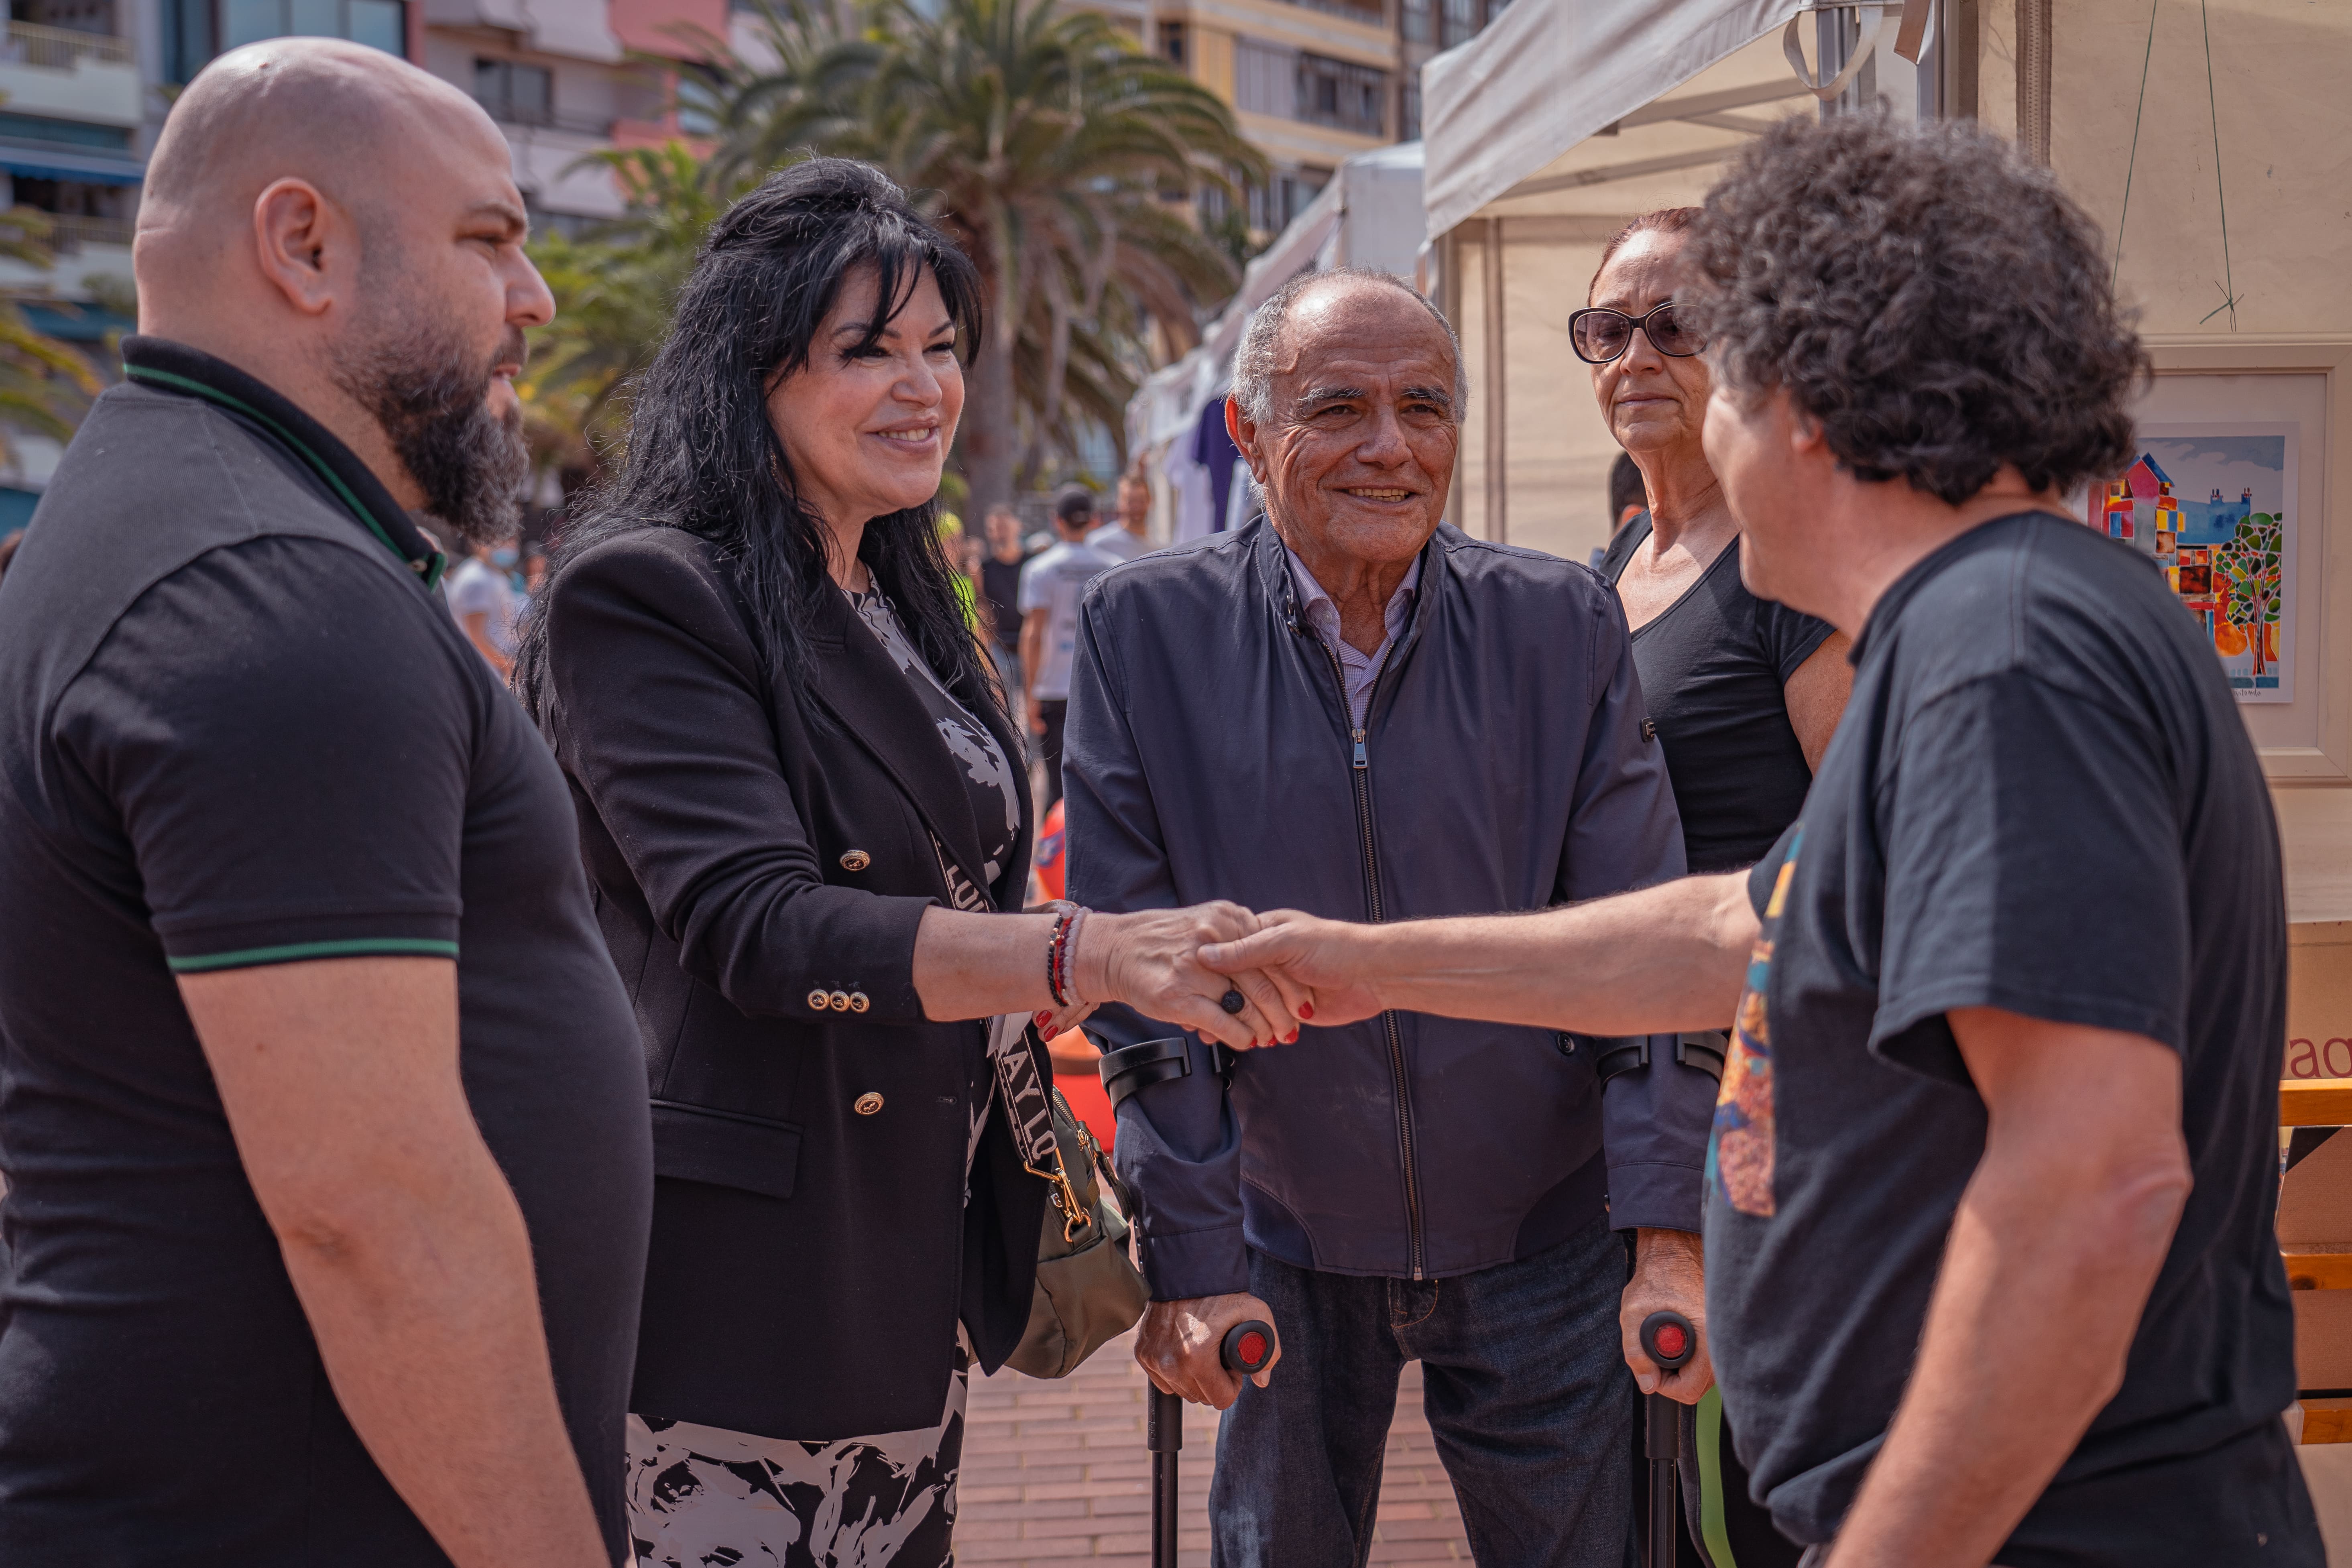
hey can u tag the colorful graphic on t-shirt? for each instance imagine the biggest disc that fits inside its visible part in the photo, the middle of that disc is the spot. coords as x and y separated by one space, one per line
1739 1151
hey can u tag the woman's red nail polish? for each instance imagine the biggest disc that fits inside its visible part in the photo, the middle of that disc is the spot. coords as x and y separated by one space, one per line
1291 1038
1306 1009
1043 1019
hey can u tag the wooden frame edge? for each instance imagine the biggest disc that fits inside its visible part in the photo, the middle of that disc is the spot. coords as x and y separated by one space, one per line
2329 355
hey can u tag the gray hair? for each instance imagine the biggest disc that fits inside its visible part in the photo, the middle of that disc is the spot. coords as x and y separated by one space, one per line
1253 360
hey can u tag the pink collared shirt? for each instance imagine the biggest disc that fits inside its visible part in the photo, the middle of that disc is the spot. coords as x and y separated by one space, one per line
1357 668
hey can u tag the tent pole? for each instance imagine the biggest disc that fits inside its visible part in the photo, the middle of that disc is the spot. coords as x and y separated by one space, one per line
2034 77
1448 256
1955 49
1498 445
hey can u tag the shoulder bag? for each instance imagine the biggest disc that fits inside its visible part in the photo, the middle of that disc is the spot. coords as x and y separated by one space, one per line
1088 1290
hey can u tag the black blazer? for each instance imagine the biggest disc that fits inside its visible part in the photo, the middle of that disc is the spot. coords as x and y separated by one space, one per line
759 867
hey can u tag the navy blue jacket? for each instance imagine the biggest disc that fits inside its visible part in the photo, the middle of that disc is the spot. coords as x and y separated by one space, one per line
1504 766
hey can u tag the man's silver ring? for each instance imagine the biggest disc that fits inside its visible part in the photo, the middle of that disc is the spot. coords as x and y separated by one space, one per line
1233 1002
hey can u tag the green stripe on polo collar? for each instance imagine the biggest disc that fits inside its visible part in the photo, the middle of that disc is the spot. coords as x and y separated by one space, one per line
430 568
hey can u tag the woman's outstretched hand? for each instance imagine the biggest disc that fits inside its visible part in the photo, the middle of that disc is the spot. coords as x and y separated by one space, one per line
1151 960
1331 963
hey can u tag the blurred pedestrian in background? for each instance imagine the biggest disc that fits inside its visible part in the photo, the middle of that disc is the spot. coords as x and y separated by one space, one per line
483 596
798 807
1627 498
1347 707
999 597
1745 693
1625 503
319 1095
1123 537
1050 585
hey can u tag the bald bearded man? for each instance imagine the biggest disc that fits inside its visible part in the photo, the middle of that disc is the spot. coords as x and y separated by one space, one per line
322 1107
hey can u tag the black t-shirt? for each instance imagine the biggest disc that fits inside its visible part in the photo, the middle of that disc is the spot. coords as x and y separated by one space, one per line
2041 799
237 727
999 585
1715 666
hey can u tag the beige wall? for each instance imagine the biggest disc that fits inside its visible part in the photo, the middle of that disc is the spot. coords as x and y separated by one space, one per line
2282 83
2282 79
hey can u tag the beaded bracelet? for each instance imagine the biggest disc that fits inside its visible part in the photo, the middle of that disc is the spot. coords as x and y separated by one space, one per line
1070 959
1057 950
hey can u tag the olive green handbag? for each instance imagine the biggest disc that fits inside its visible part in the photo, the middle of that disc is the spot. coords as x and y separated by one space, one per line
1088 1291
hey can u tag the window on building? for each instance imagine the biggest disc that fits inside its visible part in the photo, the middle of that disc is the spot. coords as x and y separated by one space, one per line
1174 45
40 128
379 24
72 16
1415 21
1265 79
79 214
515 94
1409 116
1342 94
1274 205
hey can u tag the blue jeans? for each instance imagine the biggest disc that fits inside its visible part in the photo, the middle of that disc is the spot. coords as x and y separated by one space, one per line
1524 1384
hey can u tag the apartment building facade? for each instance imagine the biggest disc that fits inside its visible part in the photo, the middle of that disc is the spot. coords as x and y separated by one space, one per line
1312 81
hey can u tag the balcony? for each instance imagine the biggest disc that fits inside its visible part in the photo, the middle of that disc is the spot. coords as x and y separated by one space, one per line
70 235
60 73
514 117
1370 14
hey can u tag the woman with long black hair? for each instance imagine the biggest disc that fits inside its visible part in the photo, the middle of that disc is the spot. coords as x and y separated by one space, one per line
807 834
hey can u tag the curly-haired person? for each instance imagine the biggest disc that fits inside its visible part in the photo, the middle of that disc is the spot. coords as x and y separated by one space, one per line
1989 1266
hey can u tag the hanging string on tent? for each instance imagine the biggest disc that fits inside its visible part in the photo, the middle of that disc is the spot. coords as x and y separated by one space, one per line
2131 163
2228 284
2221 194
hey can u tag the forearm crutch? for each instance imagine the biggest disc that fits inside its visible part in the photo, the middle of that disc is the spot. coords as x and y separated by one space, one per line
1247 1347
1667 1338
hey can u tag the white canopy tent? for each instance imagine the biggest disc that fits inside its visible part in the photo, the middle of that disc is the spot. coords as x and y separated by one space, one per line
1546 134
1369 215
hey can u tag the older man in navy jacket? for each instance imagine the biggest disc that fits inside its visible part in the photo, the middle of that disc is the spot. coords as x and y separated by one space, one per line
1348 708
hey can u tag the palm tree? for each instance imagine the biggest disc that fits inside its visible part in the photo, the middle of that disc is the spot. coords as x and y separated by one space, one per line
1061 157
45 385
615 288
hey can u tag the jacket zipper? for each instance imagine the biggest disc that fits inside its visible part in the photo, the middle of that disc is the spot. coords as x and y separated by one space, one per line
1361 769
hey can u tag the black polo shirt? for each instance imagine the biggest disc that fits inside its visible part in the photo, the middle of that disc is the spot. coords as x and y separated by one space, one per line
237 727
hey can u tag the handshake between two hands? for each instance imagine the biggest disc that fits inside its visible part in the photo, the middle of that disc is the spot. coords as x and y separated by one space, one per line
1250 980
1221 972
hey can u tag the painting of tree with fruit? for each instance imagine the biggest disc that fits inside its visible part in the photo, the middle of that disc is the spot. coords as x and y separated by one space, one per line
2248 569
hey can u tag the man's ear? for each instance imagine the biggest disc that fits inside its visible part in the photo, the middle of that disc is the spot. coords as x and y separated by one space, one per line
1244 430
1806 435
307 246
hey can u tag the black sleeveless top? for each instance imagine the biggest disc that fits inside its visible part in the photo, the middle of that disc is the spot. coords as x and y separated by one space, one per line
1713 670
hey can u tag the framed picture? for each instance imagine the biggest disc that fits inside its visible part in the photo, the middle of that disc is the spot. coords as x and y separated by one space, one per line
2234 490
2215 503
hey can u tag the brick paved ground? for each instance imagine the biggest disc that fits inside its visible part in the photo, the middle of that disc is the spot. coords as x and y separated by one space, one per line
1055 1471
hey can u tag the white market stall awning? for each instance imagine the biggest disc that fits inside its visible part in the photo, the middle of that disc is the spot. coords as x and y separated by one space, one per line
1546 74
1369 215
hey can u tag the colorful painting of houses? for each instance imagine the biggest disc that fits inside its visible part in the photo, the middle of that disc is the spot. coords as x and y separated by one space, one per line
2226 554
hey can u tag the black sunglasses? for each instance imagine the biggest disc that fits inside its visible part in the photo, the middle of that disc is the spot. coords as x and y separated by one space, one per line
1600 336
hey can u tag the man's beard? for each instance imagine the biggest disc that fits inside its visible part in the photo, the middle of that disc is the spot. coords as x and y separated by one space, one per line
432 397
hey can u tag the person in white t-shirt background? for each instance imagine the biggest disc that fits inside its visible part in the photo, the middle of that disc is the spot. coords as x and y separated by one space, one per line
1122 538
1050 585
485 601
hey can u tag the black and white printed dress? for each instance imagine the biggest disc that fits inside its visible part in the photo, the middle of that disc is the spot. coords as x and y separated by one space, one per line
703 1497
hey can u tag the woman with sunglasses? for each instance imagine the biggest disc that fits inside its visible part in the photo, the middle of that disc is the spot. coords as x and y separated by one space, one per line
1744 692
